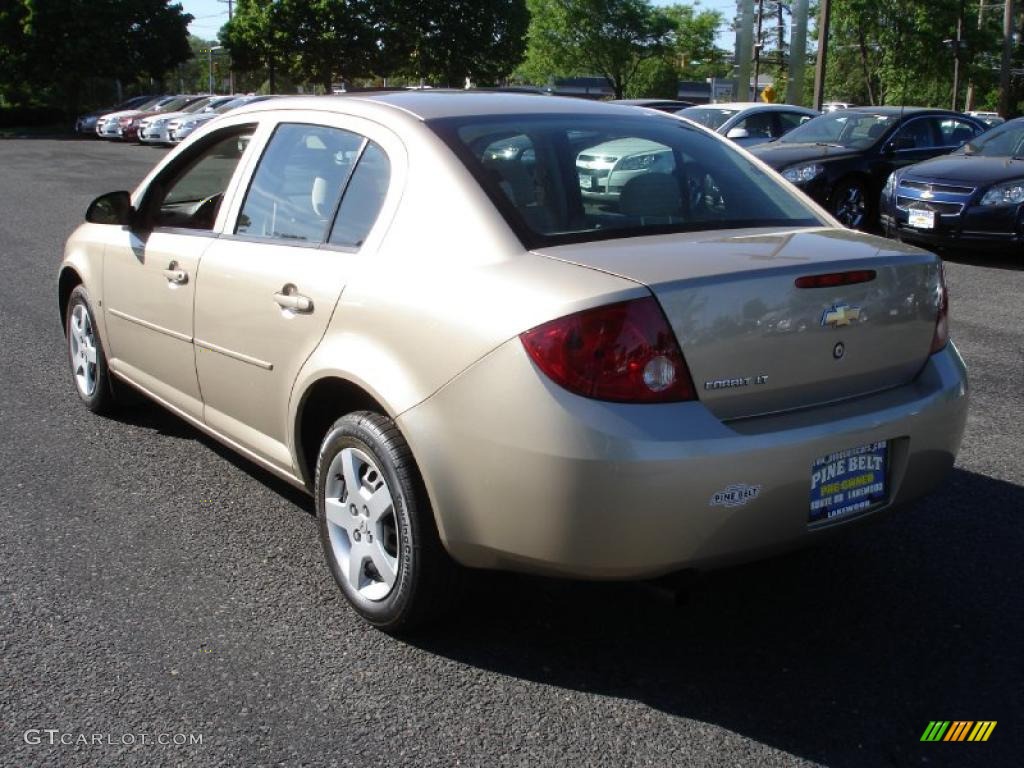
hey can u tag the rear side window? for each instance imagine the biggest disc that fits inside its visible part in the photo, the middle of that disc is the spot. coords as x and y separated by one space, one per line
956 132
298 183
364 196
572 178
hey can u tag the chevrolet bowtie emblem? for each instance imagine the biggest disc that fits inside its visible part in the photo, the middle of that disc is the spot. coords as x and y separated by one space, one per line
839 315
927 194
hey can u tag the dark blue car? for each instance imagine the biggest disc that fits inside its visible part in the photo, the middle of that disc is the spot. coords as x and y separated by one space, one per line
971 198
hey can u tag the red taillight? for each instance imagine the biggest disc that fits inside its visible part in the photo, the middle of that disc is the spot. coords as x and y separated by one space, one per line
623 352
941 336
833 279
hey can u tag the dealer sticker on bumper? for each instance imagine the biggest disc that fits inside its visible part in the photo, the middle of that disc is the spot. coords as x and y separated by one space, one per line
847 482
921 219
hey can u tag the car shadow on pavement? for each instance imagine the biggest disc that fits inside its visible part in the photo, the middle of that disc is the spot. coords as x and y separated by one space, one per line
841 654
141 413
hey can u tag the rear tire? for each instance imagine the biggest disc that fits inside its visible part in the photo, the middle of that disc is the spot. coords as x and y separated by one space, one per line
377 527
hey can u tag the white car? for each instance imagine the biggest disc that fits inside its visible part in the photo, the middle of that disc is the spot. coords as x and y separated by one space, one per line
107 126
182 126
749 123
156 129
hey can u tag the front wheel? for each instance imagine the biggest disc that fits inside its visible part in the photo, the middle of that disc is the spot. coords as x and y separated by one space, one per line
85 354
377 527
850 204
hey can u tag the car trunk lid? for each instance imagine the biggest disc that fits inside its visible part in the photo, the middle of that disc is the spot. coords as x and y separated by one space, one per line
757 343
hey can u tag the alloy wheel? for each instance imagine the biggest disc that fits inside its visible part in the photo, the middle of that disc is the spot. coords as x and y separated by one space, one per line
82 346
361 523
851 206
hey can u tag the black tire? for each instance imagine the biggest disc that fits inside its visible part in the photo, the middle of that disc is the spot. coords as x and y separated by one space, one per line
427 578
101 399
851 204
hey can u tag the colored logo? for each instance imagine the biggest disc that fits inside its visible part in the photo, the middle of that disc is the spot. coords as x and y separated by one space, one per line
839 315
958 730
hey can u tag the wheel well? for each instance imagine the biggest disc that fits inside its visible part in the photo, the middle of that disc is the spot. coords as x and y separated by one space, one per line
323 403
67 282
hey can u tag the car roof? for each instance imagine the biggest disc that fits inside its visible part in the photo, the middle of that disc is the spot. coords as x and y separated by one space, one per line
891 110
741 105
437 103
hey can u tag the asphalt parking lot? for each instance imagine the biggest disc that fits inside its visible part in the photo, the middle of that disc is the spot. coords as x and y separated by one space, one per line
154 583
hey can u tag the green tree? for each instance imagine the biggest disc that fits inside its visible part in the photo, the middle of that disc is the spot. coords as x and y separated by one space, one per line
334 39
610 38
895 51
448 41
257 38
59 44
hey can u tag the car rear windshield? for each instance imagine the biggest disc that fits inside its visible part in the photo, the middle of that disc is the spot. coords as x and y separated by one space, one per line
571 178
1004 141
709 117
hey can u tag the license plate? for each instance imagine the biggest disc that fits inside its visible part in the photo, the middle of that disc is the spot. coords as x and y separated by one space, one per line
922 219
847 482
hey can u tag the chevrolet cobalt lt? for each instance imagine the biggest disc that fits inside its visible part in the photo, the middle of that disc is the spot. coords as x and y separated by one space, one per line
407 304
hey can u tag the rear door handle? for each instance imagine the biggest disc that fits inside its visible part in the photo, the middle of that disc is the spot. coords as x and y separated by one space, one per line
175 275
296 302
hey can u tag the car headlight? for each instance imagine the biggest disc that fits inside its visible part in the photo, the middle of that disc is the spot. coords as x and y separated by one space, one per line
636 163
799 174
889 186
1010 193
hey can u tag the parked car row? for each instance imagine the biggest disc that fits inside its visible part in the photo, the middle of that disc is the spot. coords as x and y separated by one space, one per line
842 159
159 119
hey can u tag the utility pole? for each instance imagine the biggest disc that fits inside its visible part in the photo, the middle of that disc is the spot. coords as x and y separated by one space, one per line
819 73
780 35
797 54
1004 74
231 68
744 43
957 43
758 44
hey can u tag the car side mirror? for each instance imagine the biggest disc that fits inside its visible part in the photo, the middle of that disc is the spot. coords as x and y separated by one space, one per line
738 133
111 208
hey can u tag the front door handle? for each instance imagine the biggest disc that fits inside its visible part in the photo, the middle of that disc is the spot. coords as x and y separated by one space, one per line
288 298
175 275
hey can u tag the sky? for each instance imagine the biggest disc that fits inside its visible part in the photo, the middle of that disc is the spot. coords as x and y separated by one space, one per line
211 15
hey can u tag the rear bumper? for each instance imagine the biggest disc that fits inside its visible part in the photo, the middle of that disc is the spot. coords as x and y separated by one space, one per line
525 476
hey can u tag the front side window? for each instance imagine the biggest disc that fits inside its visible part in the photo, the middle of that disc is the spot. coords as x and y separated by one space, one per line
758 125
297 185
790 120
571 178
189 195
709 117
916 134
